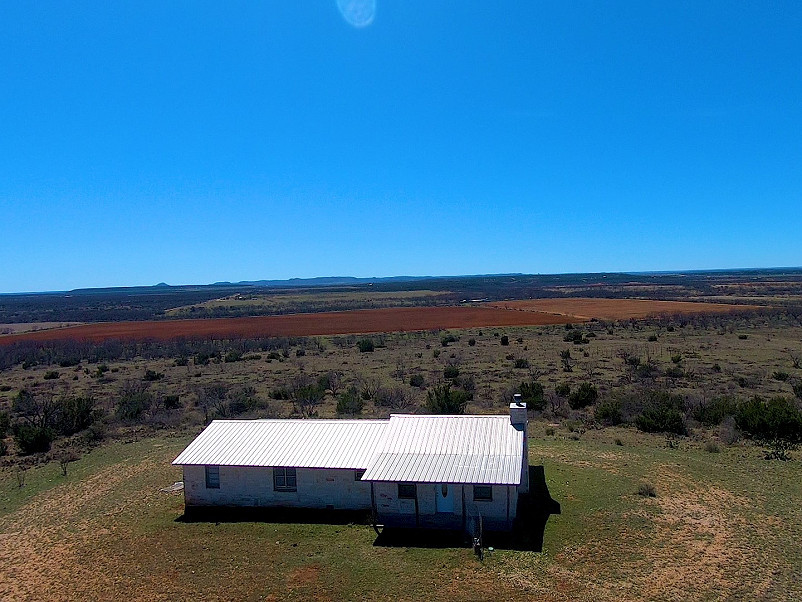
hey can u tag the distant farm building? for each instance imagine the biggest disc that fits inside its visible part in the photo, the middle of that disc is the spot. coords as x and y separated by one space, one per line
411 470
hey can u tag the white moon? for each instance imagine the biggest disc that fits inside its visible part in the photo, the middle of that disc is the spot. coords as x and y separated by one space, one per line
359 13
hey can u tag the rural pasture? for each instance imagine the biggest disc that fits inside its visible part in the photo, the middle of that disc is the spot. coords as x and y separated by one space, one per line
724 522
722 526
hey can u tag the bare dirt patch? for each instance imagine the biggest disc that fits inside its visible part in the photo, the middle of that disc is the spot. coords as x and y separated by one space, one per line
618 309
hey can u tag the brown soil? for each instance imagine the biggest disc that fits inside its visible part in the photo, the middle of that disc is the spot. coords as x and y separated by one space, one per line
537 312
396 319
617 309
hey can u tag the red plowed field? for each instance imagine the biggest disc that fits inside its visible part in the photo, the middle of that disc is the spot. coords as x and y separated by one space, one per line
394 319
536 312
617 309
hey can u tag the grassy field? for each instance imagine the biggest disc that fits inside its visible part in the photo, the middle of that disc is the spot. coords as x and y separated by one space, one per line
723 525
718 356
308 301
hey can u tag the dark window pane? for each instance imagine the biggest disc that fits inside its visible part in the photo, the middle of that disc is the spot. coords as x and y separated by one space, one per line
406 491
482 493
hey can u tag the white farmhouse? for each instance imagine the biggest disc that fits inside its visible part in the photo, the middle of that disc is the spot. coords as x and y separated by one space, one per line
411 470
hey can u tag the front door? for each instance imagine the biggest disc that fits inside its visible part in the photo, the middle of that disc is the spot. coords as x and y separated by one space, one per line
444 494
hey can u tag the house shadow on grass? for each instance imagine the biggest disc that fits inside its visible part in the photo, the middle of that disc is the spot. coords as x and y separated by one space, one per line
228 514
534 509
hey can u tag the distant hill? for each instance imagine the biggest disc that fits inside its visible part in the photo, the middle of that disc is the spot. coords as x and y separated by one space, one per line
323 281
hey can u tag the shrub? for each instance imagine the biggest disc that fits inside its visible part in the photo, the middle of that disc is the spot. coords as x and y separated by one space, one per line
451 371
563 390
232 356
75 414
743 337
471 341
797 387
280 393
711 447
675 372
676 358
33 439
151 375
181 361
300 352
781 376
716 367
416 380
202 358
584 396
350 402
577 337
467 384
549 431
307 398
647 490
450 338
51 375
618 442
645 369
394 398
664 413
441 399
715 411
171 402
5 424
365 345
652 338
777 418
505 340
521 363
133 402
532 395
609 412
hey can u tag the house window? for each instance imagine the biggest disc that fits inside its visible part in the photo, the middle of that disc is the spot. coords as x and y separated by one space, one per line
212 477
482 493
358 475
407 491
284 479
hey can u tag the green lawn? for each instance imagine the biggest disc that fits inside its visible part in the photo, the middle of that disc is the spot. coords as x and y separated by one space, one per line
722 526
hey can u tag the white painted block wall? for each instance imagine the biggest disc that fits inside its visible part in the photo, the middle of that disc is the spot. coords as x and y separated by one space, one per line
253 486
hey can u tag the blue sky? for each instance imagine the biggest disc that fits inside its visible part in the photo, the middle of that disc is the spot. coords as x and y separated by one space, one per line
192 142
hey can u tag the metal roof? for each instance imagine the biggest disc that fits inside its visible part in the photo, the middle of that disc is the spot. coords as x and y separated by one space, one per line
449 449
299 443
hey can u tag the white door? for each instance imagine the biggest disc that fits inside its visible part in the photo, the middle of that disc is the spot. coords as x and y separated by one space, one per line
444 494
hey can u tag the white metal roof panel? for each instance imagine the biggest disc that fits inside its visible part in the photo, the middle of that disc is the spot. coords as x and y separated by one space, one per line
449 449
347 444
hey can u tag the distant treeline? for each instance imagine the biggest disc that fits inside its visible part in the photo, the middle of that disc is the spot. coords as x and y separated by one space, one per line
71 353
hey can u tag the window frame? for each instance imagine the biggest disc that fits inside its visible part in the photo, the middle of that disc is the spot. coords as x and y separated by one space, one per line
478 497
285 479
212 474
407 496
